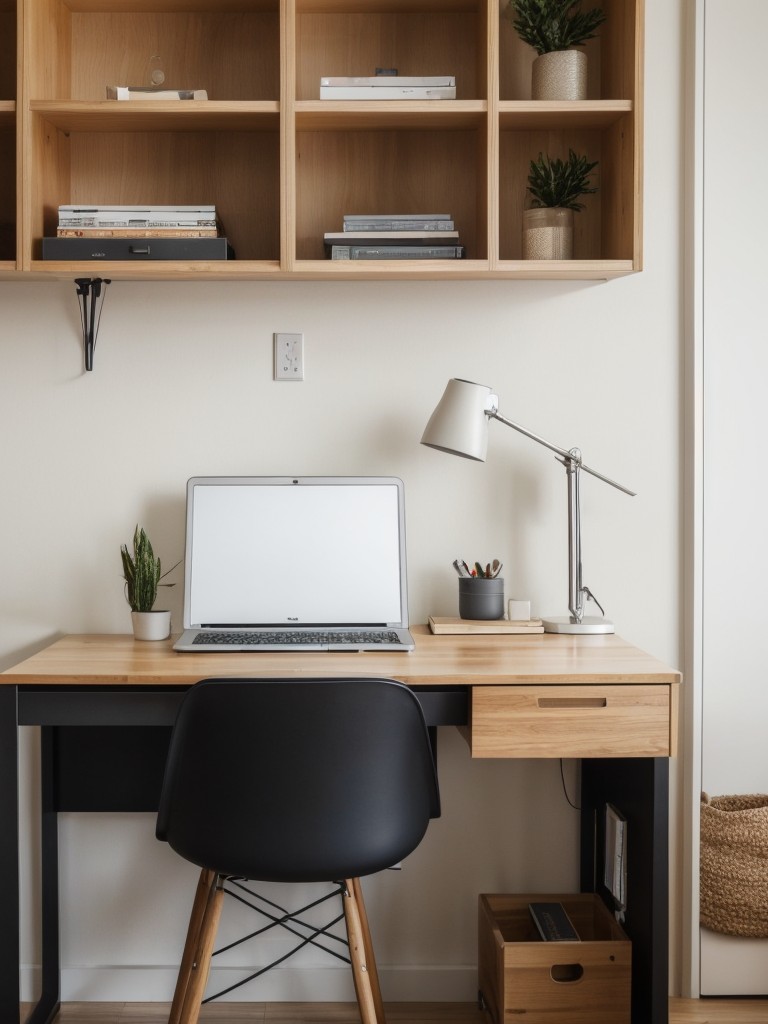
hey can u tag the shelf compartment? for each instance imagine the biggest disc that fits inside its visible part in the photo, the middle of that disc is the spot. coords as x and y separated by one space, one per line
614 56
416 38
238 171
8 83
605 230
232 53
390 171
8 62
7 189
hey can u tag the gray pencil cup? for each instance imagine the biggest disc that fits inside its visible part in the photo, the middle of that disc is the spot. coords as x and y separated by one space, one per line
481 598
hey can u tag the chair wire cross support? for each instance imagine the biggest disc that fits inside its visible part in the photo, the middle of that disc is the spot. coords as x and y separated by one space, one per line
91 292
291 920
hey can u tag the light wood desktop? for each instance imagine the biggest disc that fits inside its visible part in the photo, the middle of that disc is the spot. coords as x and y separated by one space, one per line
593 697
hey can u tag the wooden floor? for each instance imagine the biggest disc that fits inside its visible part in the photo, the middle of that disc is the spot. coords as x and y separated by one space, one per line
681 1011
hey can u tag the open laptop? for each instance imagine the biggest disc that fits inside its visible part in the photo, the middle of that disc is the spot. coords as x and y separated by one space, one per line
295 563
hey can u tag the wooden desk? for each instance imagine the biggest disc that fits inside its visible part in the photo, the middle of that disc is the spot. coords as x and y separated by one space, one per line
600 699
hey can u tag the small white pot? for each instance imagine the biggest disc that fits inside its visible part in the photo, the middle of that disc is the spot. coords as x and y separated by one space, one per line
151 625
548 233
560 75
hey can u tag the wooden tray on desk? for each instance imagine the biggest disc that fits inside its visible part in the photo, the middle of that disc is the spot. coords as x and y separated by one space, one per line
447 625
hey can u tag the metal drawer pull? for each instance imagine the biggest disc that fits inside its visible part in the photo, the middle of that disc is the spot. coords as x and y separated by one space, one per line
573 702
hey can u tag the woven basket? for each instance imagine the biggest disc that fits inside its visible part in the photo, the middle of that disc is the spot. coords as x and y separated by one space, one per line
734 864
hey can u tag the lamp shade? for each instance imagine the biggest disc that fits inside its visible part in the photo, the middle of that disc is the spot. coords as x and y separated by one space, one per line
459 424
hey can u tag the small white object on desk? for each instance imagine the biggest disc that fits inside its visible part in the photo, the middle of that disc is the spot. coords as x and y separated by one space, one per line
517 610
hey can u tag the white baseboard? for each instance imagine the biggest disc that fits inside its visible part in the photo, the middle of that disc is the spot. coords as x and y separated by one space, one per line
290 984
733 965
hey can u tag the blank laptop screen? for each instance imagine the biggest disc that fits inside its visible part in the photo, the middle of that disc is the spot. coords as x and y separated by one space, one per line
294 551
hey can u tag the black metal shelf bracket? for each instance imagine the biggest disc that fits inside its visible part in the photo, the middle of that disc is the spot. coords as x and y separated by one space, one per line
90 294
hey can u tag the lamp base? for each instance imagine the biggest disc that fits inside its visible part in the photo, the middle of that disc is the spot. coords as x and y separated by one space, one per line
567 624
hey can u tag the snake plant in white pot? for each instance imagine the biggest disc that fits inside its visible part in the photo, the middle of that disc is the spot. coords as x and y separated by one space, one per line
142 572
555 29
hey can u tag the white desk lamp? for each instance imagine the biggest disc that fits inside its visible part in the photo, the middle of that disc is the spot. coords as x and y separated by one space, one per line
459 425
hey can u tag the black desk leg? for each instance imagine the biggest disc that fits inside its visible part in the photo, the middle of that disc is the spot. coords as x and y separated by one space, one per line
49 855
10 952
9 855
639 789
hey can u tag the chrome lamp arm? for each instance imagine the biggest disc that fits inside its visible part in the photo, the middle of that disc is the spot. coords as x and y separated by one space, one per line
577 592
573 455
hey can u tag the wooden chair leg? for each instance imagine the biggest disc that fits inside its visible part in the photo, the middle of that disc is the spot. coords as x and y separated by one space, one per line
202 896
364 971
370 956
198 979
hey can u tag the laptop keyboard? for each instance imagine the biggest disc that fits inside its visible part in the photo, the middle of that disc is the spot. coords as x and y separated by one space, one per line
289 637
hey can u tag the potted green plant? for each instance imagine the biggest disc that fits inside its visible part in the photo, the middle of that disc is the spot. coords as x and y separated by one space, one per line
142 572
555 28
555 187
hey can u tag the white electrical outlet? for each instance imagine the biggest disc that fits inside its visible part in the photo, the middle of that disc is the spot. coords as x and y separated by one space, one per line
289 356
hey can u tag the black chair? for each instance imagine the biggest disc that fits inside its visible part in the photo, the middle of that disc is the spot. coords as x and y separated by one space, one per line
294 780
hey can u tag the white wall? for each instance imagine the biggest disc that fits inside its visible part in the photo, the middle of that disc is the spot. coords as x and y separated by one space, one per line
183 385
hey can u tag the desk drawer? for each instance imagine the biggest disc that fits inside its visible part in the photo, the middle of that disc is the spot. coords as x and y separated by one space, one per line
571 721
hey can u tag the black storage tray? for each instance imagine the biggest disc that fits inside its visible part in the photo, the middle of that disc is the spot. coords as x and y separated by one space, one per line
136 249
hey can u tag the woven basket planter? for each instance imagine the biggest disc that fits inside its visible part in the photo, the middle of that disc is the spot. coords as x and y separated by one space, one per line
734 864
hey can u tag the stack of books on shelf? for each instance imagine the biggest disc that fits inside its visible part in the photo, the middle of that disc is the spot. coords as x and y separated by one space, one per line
389 86
152 92
137 232
395 237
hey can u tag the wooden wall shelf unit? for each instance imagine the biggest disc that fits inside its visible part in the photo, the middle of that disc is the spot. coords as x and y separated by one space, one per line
283 166
8 164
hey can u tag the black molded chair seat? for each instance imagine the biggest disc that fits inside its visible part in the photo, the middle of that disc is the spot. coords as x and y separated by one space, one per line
294 780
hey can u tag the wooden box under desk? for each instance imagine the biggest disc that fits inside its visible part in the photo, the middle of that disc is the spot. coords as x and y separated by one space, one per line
522 977
621 720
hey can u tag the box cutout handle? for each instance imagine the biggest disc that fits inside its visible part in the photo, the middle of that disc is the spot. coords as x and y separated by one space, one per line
566 974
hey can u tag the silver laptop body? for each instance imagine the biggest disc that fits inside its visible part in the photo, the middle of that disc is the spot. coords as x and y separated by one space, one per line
295 563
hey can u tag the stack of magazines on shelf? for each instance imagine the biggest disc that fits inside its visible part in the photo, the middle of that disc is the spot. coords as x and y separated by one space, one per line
138 221
428 236
137 232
